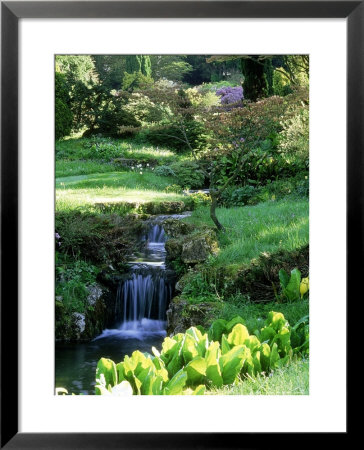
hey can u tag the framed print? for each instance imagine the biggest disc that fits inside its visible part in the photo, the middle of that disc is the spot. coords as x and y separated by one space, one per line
163 152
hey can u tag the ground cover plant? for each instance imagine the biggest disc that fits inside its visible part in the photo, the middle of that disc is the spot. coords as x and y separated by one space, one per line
222 142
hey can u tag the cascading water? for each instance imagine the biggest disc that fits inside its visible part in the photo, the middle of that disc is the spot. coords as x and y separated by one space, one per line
142 299
139 315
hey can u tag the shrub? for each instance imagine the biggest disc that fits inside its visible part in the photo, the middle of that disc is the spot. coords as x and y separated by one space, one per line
294 139
164 171
238 196
169 136
96 238
200 199
231 95
174 188
188 174
72 277
281 84
63 113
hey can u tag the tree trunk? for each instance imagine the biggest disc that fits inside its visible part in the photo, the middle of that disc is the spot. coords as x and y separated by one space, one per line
213 210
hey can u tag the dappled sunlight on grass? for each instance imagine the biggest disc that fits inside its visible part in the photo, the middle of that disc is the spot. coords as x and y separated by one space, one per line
251 230
83 190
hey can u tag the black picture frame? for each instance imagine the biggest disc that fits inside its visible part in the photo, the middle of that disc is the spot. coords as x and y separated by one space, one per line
11 12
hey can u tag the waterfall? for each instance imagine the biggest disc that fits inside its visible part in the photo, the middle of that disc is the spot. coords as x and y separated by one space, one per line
143 296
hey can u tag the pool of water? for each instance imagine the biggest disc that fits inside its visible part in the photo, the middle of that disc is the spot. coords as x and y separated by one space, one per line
75 364
140 315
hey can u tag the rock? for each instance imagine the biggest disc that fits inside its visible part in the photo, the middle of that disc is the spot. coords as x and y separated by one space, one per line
176 228
197 248
59 298
173 249
79 323
182 315
162 207
95 292
182 282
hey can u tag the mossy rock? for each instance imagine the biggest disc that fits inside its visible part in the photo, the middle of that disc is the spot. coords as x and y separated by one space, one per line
156 208
260 280
198 247
176 228
173 249
193 248
182 315
116 207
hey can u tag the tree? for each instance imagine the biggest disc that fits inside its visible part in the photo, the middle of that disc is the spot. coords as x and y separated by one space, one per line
170 67
146 67
63 113
235 135
201 70
110 70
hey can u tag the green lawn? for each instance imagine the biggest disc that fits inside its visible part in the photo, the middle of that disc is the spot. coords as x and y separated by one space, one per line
108 149
290 380
66 168
86 190
251 230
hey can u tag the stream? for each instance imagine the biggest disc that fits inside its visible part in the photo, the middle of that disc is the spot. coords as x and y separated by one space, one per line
140 316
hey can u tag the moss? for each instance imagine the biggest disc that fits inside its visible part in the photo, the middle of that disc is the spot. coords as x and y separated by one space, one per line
259 281
181 315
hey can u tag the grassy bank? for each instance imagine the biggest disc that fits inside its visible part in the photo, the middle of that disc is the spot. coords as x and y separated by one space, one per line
86 190
107 149
251 230
290 380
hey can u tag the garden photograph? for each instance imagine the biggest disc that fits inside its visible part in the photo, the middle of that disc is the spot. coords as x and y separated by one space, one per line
181 224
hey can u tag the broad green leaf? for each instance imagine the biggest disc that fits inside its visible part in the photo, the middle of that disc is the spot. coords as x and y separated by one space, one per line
107 367
225 347
176 362
217 328
168 347
276 320
201 329
238 335
252 342
292 290
283 278
283 340
265 357
213 371
120 371
232 362
137 384
152 384
195 333
143 364
303 320
176 384
200 390
196 370
178 337
190 349
203 345
267 334
161 368
256 362
157 385
234 321
274 356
